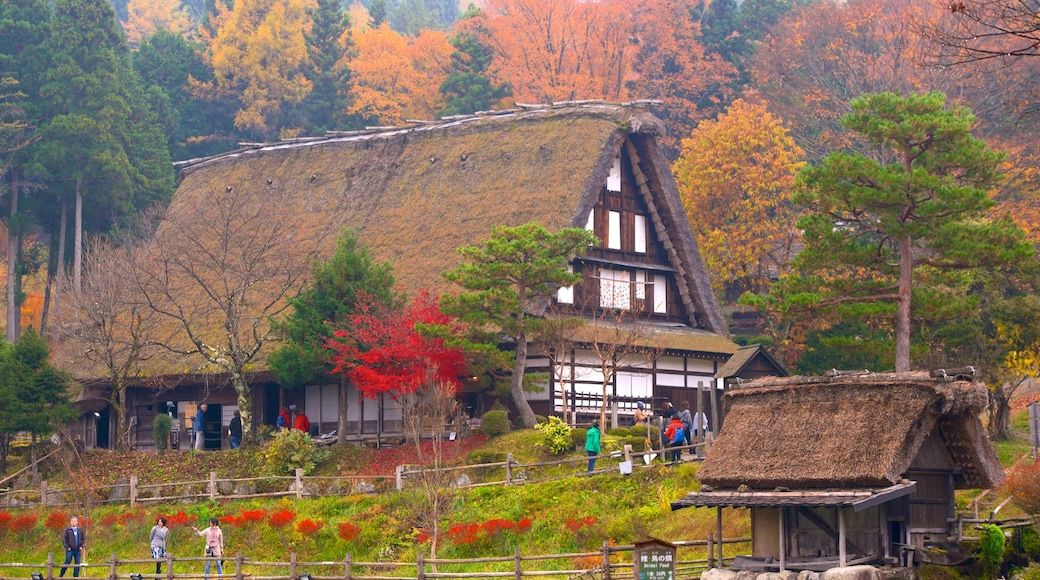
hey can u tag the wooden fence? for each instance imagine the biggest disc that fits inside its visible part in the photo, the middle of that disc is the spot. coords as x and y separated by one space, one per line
609 562
508 472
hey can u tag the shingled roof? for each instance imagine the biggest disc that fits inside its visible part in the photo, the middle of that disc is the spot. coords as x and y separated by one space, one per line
847 432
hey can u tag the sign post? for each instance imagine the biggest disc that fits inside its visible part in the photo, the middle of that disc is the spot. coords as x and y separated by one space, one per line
654 560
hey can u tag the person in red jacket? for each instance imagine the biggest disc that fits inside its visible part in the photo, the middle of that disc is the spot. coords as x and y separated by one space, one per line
302 423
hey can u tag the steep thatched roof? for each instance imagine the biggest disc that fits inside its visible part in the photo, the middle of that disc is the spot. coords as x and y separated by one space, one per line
847 432
416 194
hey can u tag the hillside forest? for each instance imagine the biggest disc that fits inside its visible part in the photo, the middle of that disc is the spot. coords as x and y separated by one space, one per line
771 106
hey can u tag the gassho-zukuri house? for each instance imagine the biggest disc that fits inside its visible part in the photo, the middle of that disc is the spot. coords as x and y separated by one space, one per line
415 194
846 470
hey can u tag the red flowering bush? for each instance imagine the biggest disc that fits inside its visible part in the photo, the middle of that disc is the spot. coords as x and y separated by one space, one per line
55 521
24 524
348 532
576 524
471 532
231 521
252 516
179 519
5 520
281 519
109 520
308 526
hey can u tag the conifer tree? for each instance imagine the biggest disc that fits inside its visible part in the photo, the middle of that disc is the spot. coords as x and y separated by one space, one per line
328 41
468 88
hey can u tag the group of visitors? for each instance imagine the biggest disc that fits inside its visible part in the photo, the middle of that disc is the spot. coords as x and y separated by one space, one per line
680 432
285 420
74 539
198 425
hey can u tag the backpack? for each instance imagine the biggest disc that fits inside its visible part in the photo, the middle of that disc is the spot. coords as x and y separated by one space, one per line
280 422
679 436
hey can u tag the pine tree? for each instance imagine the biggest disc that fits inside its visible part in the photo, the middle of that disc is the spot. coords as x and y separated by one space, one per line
468 87
327 43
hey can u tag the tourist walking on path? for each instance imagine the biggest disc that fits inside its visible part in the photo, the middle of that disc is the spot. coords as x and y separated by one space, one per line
687 421
199 425
214 545
157 541
676 436
592 444
74 539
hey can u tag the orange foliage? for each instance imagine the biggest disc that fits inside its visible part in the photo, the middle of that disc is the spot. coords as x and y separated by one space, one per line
144 17
397 77
32 310
559 50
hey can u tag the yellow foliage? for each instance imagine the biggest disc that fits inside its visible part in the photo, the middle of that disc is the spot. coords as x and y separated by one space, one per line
259 53
144 17
360 19
397 77
735 176
32 310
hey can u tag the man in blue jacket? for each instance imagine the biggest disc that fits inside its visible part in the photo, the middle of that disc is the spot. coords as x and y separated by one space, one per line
200 427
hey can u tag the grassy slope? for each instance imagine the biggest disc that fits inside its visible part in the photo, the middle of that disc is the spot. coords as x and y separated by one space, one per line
566 515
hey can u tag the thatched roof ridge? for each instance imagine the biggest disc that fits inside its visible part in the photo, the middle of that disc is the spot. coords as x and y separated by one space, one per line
853 431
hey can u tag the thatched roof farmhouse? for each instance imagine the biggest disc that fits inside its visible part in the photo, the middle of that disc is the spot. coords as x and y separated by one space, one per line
415 194
868 461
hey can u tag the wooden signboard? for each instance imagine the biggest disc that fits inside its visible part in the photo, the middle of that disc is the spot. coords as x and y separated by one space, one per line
654 560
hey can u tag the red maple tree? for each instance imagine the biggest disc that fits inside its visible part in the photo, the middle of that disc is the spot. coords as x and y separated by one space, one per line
384 351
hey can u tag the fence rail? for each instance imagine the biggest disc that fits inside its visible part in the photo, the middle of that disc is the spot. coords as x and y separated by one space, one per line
612 562
301 486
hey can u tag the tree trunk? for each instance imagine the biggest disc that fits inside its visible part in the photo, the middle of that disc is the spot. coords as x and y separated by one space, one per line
999 415
32 458
118 403
603 403
13 232
906 276
344 404
516 383
77 250
245 405
60 271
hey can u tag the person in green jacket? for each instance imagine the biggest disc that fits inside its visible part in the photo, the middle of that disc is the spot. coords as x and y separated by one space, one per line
592 444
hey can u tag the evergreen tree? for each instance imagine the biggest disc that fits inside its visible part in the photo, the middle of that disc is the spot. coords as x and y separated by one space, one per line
377 10
326 105
36 394
883 236
468 88
333 296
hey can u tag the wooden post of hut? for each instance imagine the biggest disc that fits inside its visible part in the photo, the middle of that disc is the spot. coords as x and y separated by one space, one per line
842 551
718 525
783 539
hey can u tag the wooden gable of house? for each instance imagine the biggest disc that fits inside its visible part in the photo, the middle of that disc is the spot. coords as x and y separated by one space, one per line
635 266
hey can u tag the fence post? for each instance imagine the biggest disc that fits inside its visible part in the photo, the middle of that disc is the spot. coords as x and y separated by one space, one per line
516 562
43 493
711 551
169 567
399 472
50 565
292 566
238 565
420 571
346 564
299 483
509 468
133 491
112 568
628 453
606 560
213 485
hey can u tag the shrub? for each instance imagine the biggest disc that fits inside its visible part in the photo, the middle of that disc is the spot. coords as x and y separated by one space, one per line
494 423
161 427
640 431
578 437
290 450
619 432
1029 541
5 520
478 456
23 524
637 443
556 435
991 549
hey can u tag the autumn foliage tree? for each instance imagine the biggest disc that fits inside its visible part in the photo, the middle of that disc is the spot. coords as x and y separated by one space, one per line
735 177
559 50
259 54
145 17
397 77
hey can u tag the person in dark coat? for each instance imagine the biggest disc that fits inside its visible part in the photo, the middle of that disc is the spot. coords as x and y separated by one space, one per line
235 430
199 425
74 538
